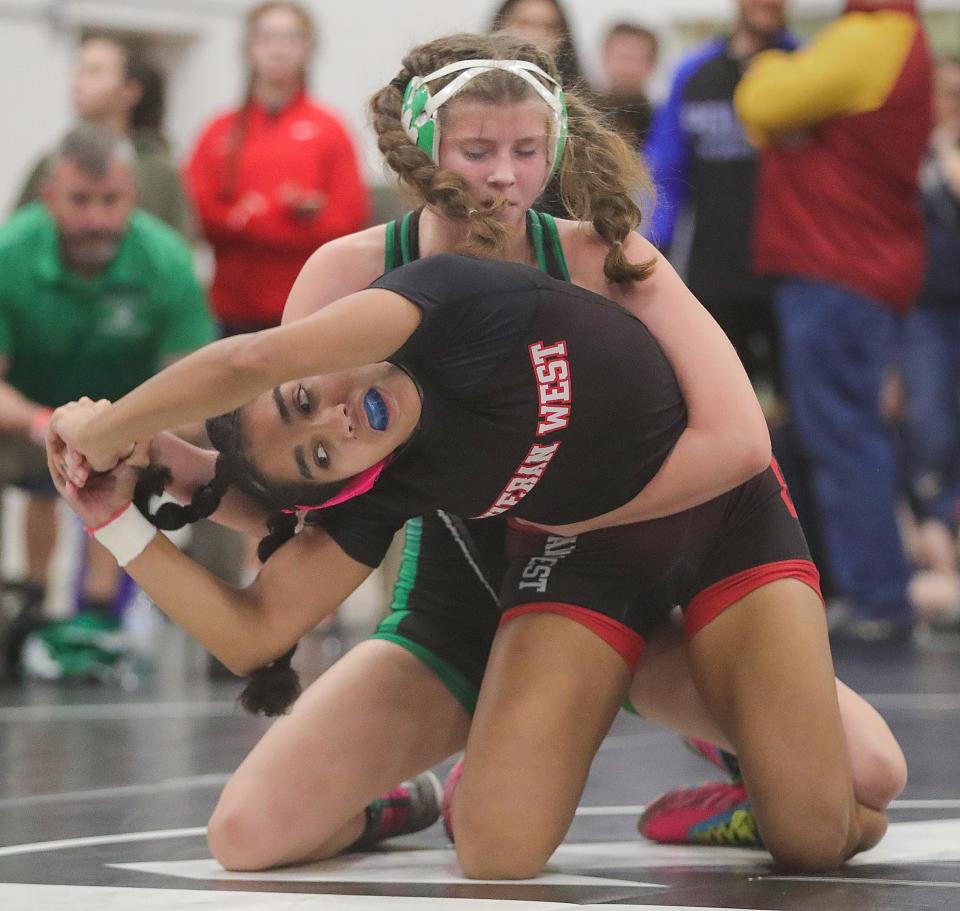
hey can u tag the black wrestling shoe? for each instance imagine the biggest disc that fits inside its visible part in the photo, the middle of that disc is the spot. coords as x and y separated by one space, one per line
410 807
22 603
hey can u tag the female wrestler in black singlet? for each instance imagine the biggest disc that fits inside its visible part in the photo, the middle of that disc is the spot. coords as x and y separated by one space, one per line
547 403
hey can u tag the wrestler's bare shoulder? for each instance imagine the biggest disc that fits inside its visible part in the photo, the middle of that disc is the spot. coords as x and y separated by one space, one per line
586 251
359 256
339 268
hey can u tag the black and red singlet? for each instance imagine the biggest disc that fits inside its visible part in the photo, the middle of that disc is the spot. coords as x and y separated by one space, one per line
541 401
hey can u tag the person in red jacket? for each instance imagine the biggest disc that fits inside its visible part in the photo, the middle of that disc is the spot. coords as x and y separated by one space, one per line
275 178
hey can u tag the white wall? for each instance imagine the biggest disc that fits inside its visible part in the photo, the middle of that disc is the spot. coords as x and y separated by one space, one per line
362 42
34 66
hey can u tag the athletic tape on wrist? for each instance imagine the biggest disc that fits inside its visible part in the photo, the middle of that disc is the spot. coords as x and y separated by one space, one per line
126 534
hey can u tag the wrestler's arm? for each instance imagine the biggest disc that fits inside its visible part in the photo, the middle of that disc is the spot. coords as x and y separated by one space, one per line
245 628
339 268
362 328
726 441
18 415
301 583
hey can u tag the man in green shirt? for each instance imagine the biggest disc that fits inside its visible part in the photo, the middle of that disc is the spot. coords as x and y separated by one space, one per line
95 296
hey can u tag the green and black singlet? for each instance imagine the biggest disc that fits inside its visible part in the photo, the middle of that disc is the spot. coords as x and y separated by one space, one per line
444 607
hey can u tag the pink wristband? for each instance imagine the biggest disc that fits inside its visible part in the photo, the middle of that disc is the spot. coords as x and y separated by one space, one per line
39 424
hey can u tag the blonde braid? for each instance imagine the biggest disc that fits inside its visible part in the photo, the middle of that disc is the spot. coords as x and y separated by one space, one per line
600 177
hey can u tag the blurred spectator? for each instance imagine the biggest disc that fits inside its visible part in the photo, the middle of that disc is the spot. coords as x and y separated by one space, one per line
94 297
630 55
844 125
931 357
274 179
116 87
544 24
705 170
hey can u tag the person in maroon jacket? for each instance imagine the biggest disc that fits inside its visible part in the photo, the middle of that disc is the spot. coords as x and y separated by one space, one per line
843 126
275 178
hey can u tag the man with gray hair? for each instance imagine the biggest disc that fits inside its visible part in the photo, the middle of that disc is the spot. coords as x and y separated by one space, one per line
115 86
95 296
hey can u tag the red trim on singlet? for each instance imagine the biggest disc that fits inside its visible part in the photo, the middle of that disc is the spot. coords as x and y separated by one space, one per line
516 525
628 644
713 601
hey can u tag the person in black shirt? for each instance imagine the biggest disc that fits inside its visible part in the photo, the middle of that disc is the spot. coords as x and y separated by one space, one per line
532 368
629 58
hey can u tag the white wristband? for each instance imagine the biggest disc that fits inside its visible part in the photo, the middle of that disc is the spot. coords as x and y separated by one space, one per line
126 535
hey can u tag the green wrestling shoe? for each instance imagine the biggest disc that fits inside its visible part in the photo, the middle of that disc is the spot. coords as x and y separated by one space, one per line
85 647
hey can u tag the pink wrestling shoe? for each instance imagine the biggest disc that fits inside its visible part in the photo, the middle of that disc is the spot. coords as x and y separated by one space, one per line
715 813
724 761
448 789
410 807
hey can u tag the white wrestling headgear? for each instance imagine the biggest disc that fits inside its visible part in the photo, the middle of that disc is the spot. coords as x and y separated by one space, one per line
419 111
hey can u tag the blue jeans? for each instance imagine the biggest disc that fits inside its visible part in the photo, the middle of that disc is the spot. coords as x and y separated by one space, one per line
931 427
835 348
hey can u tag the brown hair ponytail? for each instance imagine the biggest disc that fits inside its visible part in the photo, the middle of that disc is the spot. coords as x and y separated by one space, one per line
600 180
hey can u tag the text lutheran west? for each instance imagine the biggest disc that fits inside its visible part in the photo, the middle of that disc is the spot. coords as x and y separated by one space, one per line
552 370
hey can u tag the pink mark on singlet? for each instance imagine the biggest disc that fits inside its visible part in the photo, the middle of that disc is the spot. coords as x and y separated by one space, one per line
360 484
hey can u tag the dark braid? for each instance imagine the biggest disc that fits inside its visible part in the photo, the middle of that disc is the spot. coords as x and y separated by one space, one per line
273 688
171 516
281 527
